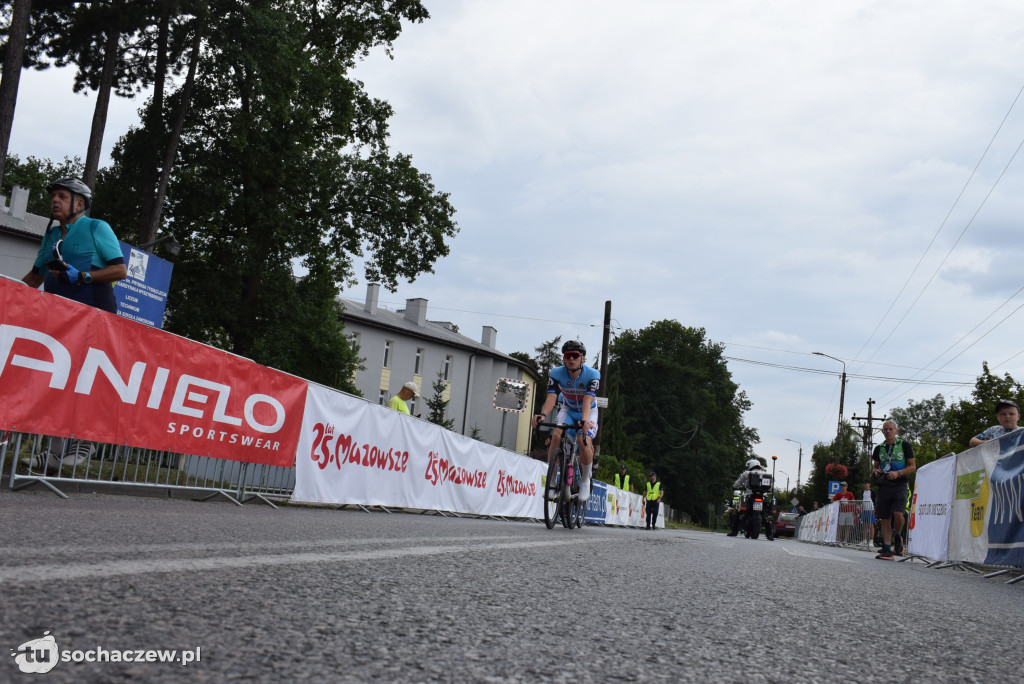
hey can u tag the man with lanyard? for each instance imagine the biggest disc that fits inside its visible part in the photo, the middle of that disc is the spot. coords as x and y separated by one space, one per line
80 258
574 386
622 479
893 460
654 496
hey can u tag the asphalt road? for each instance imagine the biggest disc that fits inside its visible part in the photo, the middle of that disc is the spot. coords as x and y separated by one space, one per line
323 595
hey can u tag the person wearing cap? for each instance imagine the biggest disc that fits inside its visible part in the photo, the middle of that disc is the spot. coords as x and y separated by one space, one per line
844 493
409 391
845 512
654 496
622 479
80 257
892 460
1007 413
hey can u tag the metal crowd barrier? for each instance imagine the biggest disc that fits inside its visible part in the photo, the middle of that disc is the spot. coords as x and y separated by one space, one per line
54 462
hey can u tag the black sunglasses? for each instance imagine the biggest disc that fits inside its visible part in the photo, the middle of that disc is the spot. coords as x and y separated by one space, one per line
572 355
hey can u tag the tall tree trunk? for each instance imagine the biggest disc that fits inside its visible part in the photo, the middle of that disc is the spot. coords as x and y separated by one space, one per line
11 76
99 114
175 133
155 125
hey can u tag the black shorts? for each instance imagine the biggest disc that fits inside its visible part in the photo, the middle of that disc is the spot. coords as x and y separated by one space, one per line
890 500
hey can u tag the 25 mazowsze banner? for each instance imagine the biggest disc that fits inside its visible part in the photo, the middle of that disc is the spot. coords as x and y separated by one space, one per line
67 369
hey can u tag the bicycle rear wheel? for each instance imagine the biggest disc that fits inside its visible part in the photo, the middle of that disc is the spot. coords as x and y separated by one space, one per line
553 491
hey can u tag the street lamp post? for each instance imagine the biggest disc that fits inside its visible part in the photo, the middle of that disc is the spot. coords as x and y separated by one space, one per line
842 395
783 472
800 460
774 459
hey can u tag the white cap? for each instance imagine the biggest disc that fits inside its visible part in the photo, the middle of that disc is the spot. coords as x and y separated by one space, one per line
412 387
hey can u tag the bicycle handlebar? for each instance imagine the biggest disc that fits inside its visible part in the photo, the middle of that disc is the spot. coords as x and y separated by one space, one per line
578 425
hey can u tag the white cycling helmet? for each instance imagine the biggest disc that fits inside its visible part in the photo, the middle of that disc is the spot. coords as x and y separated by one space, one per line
753 463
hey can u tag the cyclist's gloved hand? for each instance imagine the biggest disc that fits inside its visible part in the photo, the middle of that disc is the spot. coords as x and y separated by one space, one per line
72 274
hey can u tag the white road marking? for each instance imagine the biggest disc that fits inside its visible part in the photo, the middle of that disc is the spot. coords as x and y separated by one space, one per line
72 571
808 553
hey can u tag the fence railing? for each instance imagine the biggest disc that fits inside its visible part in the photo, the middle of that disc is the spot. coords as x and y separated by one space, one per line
57 463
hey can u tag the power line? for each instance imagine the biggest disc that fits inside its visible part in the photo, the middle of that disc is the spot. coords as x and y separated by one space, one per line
937 232
859 376
945 258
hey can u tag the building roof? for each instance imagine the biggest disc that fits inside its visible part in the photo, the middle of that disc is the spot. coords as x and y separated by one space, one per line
31 226
431 330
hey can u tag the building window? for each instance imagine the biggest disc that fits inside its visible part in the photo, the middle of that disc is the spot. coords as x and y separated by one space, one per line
354 340
383 398
419 362
446 372
387 354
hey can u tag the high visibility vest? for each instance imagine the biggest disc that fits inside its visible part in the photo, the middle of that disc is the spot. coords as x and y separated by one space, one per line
622 485
653 491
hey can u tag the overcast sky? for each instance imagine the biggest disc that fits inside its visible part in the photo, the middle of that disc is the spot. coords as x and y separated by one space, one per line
771 172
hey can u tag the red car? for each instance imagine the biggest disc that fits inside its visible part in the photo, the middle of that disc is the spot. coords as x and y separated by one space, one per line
786 524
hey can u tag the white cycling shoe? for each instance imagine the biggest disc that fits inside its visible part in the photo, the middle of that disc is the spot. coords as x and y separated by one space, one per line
584 490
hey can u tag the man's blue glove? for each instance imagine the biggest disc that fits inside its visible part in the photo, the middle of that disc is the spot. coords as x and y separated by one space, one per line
72 274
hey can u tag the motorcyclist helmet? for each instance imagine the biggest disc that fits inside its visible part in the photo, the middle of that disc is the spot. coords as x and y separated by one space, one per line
574 345
753 463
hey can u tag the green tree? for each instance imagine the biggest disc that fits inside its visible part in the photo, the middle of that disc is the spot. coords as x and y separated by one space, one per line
35 174
680 399
924 425
548 356
965 419
438 404
619 439
282 162
851 455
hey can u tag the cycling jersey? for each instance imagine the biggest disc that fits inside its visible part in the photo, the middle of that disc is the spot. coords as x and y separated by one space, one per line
574 392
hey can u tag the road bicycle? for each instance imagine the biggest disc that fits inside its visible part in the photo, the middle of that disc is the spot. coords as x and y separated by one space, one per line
562 486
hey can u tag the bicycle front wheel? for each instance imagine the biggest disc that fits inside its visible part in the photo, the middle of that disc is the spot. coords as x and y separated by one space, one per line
553 491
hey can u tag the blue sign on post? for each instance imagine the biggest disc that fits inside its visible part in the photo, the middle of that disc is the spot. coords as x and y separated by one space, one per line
142 296
833 487
597 504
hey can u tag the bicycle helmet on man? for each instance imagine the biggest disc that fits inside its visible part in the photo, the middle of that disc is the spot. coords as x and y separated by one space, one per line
75 186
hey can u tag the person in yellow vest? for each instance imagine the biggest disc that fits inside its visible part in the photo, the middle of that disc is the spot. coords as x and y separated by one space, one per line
622 480
408 391
654 494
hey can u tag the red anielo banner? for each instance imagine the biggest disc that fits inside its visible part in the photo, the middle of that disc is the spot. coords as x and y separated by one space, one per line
67 369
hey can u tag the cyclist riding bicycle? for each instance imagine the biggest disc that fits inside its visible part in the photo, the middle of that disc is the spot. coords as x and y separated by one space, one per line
574 386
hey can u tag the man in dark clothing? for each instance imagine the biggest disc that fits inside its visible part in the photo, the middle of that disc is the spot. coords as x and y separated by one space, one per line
892 460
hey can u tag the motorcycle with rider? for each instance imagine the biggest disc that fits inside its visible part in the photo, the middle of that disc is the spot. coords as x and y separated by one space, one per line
756 506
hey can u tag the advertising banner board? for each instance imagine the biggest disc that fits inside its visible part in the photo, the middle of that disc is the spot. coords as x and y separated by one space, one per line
71 370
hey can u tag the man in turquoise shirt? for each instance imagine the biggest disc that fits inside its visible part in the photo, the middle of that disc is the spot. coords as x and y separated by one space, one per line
80 258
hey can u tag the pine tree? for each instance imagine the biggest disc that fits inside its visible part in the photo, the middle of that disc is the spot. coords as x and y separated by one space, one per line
438 405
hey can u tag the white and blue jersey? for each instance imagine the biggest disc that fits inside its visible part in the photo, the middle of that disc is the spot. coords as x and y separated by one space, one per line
574 392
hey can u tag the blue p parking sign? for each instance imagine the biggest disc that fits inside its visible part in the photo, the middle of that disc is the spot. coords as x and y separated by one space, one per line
833 487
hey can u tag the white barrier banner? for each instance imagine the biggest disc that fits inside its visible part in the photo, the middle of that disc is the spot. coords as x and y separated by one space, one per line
987 524
812 527
831 522
968 536
354 452
930 509
626 508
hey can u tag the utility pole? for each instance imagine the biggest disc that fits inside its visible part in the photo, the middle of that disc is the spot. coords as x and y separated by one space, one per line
602 389
869 431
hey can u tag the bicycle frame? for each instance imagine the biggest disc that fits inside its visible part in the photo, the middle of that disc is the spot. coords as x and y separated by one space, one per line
561 489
